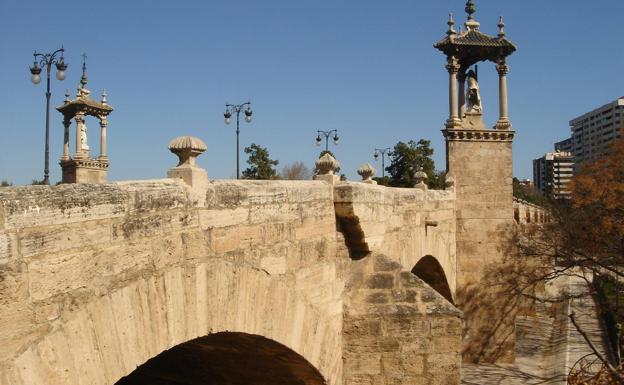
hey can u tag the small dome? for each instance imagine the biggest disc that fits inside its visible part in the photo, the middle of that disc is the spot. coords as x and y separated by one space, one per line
187 143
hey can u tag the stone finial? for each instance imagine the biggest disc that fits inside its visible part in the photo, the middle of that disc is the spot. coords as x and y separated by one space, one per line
366 171
470 9
66 96
104 97
327 164
187 148
471 23
451 24
449 181
420 176
501 27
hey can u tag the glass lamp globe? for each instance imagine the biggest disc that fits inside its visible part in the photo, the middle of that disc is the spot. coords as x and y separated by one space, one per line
336 139
60 75
228 120
35 78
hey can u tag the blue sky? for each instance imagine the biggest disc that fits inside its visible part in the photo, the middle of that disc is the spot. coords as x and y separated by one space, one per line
366 68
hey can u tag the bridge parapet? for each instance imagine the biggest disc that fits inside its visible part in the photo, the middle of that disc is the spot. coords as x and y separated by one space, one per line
96 279
406 224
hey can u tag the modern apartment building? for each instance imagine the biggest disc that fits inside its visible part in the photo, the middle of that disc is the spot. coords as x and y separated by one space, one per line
552 173
594 131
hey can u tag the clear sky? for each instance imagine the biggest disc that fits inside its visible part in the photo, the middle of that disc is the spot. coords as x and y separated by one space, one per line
366 68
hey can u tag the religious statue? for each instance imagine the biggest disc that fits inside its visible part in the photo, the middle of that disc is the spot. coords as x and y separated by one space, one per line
473 96
82 129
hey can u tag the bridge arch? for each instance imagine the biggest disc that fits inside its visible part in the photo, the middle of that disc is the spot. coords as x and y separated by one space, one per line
107 338
226 358
431 272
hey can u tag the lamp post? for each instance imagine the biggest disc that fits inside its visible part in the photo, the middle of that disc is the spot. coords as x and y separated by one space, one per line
326 134
237 108
46 60
383 152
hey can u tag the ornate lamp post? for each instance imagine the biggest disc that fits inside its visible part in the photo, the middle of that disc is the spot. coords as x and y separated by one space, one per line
383 152
46 60
237 108
326 134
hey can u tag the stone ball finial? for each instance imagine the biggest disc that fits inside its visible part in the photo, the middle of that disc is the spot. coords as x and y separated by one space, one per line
420 177
449 181
366 171
187 148
326 165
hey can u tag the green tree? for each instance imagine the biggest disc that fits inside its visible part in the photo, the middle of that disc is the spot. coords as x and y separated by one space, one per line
528 194
407 158
261 166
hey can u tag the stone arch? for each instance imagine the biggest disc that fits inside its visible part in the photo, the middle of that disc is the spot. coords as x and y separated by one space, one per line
227 358
109 337
431 272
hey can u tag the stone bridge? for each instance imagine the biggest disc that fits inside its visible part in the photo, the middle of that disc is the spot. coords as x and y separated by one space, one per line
228 282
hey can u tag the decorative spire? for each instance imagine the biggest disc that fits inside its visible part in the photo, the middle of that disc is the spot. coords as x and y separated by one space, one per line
501 27
451 23
83 79
471 23
104 99
66 96
470 9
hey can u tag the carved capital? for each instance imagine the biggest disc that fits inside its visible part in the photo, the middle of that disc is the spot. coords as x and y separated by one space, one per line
79 118
502 68
452 65
103 122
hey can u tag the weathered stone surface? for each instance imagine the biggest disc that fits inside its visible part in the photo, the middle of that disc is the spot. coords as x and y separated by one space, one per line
391 337
96 280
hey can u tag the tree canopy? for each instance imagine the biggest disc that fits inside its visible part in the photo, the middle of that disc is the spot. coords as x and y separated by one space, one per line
261 166
407 158
585 239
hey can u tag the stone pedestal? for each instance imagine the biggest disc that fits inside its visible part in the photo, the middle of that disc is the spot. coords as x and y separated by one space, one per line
84 170
329 178
480 162
193 176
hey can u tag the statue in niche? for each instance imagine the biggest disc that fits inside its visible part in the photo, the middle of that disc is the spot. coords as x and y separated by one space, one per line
473 96
82 127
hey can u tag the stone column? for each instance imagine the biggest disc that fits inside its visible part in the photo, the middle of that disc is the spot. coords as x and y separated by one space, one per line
503 120
79 118
103 125
462 93
453 68
66 124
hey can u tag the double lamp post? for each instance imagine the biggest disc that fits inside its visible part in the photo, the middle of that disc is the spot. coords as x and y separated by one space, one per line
237 108
46 60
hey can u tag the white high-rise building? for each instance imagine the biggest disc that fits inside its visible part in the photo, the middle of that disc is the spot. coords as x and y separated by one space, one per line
593 132
552 173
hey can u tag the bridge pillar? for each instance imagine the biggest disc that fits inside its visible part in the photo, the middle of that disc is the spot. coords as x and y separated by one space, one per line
480 161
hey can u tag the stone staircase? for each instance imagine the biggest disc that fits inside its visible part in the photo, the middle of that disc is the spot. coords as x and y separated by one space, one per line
547 343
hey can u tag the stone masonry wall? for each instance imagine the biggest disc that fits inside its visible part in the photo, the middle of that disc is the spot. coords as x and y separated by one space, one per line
398 330
96 279
404 224
482 170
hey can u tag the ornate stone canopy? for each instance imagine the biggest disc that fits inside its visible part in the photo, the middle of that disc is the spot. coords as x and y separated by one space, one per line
82 167
464 49
472 46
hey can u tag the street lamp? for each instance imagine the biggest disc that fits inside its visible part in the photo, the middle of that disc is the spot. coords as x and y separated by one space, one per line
383 152
237 108
326 134
46 60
